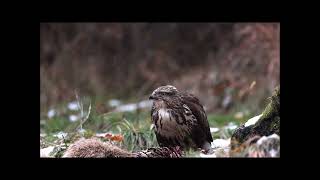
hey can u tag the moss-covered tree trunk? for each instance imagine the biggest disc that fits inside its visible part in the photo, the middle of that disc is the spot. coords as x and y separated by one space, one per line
268 123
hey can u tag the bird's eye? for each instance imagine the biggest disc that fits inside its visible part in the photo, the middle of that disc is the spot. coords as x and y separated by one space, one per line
166 93
162 93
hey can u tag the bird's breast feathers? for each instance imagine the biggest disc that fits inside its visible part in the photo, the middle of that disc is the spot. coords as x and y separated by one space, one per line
172 124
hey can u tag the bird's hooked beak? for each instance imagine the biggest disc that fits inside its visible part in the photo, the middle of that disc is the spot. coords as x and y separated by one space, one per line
153 97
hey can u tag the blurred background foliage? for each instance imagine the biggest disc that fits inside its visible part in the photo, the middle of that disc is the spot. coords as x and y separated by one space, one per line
231 67
215 61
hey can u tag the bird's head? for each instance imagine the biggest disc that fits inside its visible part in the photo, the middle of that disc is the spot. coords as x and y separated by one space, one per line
163 92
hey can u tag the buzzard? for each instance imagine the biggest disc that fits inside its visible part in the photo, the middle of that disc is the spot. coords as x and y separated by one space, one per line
179 119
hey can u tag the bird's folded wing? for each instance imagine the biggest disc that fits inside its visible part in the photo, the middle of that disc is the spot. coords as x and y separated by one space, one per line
198 111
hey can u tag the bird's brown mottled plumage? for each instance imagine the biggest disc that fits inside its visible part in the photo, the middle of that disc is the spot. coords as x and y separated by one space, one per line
179 119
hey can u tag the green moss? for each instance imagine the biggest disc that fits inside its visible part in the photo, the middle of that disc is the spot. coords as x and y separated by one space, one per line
220 120
268 123
273 108
89 133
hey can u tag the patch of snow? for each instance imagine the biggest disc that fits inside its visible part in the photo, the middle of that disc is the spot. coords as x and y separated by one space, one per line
73 118
51 113
226 101
127 107
252 121
45 152
145 104
134 106
223 143
208 155
213 129
60 135
114 103
231 126
73 106
102 134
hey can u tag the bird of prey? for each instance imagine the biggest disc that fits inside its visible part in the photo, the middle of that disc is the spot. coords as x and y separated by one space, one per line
179 119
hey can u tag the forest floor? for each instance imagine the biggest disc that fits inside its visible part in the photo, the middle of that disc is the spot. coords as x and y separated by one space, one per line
126 126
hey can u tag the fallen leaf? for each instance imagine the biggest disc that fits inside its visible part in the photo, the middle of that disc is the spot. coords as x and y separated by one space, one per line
117 138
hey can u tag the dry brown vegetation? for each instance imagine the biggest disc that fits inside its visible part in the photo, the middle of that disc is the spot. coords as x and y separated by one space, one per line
216 61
